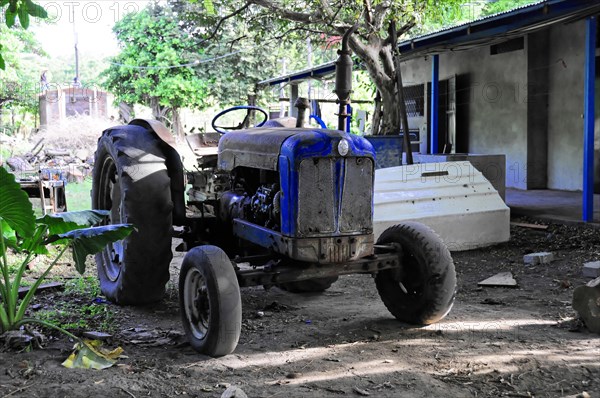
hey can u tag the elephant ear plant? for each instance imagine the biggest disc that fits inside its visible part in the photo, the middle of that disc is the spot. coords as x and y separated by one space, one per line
21 232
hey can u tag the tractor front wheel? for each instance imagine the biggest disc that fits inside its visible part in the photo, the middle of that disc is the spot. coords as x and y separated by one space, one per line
422 291
210 301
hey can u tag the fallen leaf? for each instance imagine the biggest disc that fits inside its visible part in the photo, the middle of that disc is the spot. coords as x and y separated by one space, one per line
89 354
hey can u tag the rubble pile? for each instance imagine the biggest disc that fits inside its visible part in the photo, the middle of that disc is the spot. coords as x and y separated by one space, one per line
64 151
68 165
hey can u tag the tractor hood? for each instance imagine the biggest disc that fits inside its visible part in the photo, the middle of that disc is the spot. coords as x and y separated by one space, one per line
261 147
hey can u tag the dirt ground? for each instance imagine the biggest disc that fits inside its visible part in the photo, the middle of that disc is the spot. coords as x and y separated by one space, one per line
515 342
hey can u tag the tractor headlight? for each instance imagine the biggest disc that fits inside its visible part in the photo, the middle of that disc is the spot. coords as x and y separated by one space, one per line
343 147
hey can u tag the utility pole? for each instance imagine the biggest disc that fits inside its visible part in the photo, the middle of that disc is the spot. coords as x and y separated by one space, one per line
76 38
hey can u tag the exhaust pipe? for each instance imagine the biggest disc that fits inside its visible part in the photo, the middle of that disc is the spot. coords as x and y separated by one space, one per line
343 77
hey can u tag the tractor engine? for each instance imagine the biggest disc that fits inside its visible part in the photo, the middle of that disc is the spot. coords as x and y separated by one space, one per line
258 204
306 194
265 208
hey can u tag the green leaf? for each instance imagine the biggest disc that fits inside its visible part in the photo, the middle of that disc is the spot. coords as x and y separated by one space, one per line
64 222
15 207
9 236
209 7
3 3
36 10
2 64
10 17
24 15
36 244
92 240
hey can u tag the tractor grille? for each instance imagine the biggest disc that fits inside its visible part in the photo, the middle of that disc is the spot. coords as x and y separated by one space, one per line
357 199
319 212
316 199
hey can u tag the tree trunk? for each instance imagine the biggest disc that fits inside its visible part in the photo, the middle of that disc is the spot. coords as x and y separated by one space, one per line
155 107
158 111
176 124
378 61
390 122
376 115
125 112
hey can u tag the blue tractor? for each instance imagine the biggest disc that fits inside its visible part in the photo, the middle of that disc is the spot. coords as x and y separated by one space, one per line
275 206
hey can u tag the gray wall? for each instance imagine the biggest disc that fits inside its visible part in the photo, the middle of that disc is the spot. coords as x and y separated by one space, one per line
565 121
526 104
537 108
491 90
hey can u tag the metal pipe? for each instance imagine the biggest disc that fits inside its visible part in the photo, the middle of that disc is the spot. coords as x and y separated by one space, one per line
588 122
343 77
303 105
435 89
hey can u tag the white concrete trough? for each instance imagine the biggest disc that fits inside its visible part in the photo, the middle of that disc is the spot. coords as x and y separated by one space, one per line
452 198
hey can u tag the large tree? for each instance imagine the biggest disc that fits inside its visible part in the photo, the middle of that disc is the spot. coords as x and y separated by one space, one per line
156 65
238 54
371 43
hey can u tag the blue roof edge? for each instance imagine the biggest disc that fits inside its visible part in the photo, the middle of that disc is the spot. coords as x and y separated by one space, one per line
497 24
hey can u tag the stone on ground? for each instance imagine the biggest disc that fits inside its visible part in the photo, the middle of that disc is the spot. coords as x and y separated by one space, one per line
538 258
591 270
586 301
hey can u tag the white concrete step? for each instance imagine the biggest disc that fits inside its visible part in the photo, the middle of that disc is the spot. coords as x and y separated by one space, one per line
453 198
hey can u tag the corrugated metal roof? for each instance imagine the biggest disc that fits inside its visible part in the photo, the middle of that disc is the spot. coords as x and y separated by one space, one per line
518 21
481 19
314 73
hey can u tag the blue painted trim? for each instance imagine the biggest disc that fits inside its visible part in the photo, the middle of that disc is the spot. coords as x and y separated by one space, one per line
348 118
307 145
435 88
588 121
318 120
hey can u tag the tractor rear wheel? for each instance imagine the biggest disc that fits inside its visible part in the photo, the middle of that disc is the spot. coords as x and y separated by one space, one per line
422 291
130 180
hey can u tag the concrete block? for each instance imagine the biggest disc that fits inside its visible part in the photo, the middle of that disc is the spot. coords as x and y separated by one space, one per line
591 270
538 258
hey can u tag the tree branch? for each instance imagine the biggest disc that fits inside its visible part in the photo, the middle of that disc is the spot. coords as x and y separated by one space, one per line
368 12
287 14
296 29
379 14
223 19
369 55
387 60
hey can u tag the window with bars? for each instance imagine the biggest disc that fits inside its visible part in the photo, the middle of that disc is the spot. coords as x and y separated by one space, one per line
414 96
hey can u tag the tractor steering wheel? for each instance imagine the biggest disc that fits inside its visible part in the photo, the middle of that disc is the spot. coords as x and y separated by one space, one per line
248 108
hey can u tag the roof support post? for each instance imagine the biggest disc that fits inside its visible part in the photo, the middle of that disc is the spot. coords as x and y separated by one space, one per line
588 121
293 98
435 88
